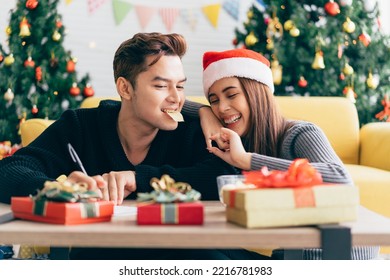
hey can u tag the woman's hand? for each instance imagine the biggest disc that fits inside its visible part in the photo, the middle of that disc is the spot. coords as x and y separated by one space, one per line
234 152
210 126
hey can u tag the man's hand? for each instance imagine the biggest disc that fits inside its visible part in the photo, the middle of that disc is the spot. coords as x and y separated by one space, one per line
119 185
96 183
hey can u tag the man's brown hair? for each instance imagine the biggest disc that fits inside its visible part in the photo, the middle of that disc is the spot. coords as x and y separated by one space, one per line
130 57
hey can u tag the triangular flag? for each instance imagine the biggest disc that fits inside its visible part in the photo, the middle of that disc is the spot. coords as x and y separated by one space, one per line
144 15
169 16
93 5
68 2
190 16
232 7
121 9
212 13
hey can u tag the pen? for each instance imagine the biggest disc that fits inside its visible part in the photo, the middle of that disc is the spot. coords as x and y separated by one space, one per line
76 158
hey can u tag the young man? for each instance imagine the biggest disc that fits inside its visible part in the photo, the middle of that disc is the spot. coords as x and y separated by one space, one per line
122 145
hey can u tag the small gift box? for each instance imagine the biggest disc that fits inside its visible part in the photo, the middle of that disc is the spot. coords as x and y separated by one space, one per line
63 203
71 213
291 198
170 203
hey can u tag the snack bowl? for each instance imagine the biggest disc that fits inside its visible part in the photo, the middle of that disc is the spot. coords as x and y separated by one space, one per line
229 182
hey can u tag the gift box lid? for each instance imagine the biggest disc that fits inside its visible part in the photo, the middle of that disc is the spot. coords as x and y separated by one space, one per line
61 212
325 195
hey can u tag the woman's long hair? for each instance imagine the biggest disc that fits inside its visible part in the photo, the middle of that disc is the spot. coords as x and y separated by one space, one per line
268 126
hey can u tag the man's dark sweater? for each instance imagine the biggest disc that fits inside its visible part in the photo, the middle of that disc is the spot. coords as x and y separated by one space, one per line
93 133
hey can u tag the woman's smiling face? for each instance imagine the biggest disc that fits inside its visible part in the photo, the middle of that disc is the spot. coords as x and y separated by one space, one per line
228 102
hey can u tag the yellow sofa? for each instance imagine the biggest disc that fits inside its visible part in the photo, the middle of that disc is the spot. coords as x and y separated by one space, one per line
365 151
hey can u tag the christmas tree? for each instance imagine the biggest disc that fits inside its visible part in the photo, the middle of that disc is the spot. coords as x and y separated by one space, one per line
324 48
38 78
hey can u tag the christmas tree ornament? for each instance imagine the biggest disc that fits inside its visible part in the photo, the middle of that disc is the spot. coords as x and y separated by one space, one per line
29 62
365 39
342 77
70 66
53 62
344 3
9 95
372 82
277 72
288 25
249 14
235 42
349 26
31 4
8 30
22 119
1 57
385 113
339 51
332 8
24 28
294 32
348 69
74 90
88 91
251 39
38 74
56 36
9 60
274 28
318 62
302 82
270 44
34 109
350 94
58 23
369 5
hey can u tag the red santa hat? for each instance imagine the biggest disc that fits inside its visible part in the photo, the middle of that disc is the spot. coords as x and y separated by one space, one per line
237 62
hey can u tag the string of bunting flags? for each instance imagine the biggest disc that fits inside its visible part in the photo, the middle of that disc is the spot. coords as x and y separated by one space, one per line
169 15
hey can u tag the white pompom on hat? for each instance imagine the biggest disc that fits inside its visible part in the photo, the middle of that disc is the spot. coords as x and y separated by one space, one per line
236 63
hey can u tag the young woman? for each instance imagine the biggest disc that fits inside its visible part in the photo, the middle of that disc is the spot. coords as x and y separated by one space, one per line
239 86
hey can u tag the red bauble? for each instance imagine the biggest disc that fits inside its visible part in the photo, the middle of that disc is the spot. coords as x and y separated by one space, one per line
365 39
74 90
38 73
31 4
235 41
302 82
88 91
332 8
29 63
1 58
34 109
58 23
342 76
70 66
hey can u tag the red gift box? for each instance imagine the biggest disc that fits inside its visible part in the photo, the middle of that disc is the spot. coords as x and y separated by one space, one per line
66 213
181 213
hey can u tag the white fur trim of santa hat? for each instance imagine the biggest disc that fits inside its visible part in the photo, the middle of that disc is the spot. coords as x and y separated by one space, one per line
236 63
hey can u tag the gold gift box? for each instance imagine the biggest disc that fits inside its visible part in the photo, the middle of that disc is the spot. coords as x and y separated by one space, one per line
276 207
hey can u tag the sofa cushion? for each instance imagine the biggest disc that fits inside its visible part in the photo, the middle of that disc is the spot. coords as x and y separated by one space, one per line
374 187
336 116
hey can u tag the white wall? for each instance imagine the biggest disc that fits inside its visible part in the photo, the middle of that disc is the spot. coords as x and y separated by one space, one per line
99 30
